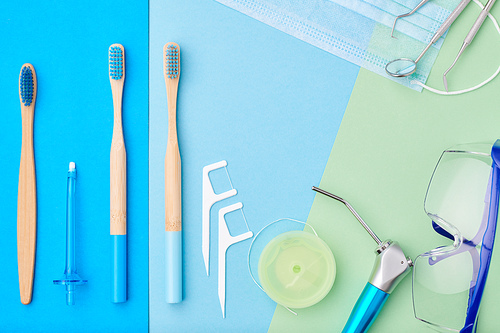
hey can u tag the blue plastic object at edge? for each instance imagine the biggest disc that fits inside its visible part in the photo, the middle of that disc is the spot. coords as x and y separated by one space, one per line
119 268
487 243
367 308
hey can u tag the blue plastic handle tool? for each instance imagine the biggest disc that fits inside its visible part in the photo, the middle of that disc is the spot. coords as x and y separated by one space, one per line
119 268
173 269
390 267
367 308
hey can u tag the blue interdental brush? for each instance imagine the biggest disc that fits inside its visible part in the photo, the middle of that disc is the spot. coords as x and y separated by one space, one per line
118 177
26 195
70 278
173 210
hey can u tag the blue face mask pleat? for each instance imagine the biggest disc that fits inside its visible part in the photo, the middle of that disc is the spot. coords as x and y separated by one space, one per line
428 18
421 32
358 31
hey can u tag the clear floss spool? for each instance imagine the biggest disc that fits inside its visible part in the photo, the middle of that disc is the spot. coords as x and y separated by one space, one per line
296 269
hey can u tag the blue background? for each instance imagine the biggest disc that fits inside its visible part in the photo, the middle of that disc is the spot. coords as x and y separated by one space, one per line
267 103
67 42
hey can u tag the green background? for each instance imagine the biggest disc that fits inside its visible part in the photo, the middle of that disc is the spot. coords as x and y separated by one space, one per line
388 143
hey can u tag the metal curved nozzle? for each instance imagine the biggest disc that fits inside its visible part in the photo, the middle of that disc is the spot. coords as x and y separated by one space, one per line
356 215
407 14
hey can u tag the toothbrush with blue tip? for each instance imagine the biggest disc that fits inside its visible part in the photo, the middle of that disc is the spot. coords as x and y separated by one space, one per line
173 210
26 195
118 177
390 267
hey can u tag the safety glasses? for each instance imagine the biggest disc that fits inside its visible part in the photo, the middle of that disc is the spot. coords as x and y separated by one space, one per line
462 201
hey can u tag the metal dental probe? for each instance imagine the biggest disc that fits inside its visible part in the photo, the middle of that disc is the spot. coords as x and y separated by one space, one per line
470 36
389 269
423 2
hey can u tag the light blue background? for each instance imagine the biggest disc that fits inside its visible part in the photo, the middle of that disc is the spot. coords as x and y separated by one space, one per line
67 42
267 103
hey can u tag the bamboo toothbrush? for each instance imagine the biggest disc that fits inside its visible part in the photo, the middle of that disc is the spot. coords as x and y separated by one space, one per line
173 210
118 177
26 196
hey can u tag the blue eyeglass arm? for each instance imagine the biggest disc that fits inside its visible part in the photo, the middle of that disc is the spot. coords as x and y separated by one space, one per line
487 244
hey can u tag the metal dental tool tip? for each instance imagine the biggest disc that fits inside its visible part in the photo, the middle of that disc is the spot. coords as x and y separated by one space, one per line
470 36
405 15
445 81
356 215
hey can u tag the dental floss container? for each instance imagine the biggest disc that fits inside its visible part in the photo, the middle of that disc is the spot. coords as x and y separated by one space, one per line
296 269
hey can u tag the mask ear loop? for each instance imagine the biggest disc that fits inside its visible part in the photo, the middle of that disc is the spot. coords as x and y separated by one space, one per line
441 92
251 245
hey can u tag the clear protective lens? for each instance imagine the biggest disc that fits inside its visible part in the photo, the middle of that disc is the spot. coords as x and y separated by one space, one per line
441 286
458 192
457 201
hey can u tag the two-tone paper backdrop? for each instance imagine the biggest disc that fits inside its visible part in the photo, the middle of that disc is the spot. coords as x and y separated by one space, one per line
271 105
68 45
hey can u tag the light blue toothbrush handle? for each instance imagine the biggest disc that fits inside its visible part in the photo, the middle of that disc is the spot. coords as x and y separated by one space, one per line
367 308
173 266
119 268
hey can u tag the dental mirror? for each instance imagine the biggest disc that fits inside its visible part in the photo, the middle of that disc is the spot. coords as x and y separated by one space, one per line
401 67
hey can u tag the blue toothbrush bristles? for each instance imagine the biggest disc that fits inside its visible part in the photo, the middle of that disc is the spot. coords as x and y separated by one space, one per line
115 63
172 61
26 86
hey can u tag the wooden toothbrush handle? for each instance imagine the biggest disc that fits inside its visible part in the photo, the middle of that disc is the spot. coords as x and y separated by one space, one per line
173 207
26 213
118 186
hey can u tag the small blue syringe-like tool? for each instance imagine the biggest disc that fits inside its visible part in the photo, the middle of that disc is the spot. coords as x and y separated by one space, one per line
70 279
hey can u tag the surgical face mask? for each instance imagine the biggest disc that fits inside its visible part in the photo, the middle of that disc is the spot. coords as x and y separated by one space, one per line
462 202
355 30
420 26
